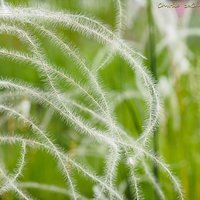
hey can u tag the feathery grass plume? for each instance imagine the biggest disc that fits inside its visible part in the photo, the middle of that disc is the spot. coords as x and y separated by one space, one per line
86 97
119 29
13 185
18 170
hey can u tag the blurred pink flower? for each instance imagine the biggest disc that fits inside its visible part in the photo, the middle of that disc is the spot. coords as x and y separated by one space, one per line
181 10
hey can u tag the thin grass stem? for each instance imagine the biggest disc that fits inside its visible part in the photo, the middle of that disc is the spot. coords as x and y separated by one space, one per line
153 68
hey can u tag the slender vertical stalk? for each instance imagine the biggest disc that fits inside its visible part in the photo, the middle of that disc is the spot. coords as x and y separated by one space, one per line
153 68
152 45
1 3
